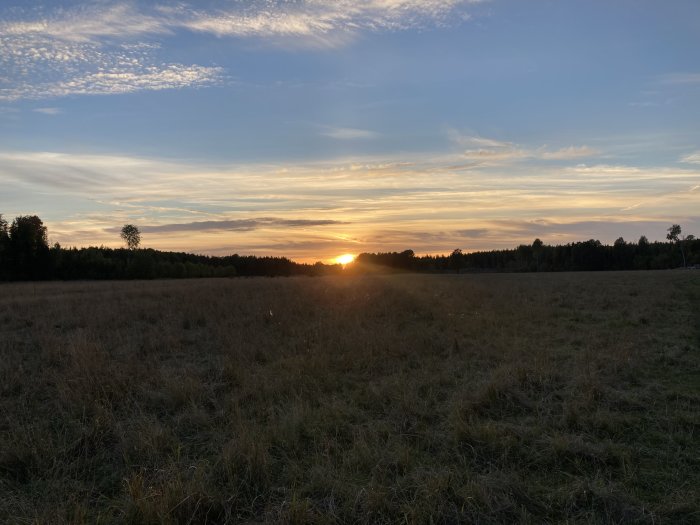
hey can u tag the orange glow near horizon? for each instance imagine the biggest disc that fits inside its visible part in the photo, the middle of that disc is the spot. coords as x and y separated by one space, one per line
344 259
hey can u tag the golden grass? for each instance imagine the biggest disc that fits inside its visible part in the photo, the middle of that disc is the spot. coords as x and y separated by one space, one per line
376 399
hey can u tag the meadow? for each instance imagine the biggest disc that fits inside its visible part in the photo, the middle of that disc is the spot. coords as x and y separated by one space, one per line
491 398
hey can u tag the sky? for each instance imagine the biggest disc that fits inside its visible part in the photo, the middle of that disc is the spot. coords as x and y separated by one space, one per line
313 128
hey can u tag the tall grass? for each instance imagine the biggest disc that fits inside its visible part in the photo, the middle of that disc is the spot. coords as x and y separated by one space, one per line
376 399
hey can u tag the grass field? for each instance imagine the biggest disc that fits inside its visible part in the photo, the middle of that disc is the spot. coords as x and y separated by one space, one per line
379 399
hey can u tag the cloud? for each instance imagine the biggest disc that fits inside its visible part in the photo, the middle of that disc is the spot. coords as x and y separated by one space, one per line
680 78
86 23
349 133
429 204
606 170
488 150
632 207
90 50
322 21
572 152
512 153
48 111
692 158
64 59
496 154
475 141
605 228
302 18
232 225
98 48
118 81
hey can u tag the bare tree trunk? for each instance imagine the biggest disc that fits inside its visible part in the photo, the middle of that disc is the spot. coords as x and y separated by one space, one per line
682 253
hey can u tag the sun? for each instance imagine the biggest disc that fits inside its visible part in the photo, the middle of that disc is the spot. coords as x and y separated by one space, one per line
344 259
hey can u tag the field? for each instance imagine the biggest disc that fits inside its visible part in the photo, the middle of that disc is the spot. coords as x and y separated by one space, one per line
535 398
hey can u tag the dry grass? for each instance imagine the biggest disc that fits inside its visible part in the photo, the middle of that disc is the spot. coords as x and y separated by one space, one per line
376 399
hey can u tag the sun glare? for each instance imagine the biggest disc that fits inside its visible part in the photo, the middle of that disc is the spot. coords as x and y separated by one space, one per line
345 259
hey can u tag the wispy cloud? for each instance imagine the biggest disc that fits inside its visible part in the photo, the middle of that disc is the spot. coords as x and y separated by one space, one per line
490 155
490 150
680 78
606 228
87 23
232 225
322 21
89 52
100 49
632 206
349 133
318 209
571 152
48 111
475 141
692 158
606 170
118 81
487 150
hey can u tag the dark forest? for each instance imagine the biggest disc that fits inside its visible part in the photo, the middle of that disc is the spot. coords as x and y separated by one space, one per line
25 254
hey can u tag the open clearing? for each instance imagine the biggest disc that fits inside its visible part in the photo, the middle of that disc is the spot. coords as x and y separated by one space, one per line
377 399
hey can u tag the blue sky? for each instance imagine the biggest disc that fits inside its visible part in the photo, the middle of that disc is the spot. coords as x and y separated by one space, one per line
310 128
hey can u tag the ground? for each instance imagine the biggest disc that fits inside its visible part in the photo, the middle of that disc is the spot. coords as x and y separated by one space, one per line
494 398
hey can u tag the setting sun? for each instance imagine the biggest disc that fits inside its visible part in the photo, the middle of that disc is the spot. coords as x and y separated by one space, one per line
345 259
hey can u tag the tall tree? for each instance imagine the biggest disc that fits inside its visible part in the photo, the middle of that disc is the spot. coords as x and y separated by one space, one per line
131 235
674 235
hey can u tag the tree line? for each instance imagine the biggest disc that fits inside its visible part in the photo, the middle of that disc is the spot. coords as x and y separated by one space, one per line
592 255
25 254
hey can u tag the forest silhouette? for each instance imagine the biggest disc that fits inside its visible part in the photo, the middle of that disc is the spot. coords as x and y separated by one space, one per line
25 254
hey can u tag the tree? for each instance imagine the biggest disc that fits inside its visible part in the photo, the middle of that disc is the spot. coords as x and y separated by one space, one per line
537 246
688 241
674 235
4 246
621 254
29 246
28 234
131 235
673 232
4 234
456 259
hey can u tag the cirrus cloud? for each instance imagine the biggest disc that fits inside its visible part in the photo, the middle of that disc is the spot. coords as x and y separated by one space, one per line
98 48
488 150
330 22
89 51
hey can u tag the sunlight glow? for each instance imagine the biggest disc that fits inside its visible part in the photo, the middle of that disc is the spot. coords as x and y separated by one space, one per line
344 259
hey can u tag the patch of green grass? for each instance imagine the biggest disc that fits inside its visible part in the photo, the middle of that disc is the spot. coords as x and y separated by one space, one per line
376 399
